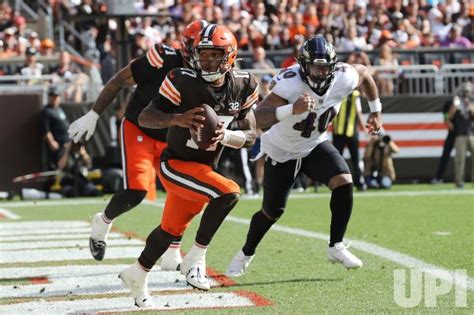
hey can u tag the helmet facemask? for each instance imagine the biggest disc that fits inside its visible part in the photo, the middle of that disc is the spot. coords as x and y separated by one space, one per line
211 63
319 75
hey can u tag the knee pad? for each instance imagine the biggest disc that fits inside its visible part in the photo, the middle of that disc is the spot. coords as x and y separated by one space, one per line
273 213
229 199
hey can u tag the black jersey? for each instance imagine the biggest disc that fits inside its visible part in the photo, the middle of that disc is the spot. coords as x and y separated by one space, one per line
183 90
53 119
149 71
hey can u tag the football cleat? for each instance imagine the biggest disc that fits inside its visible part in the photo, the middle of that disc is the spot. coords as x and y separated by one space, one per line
99 232
194 268
97 248
339 253
135 279
171 259
239 264
197 278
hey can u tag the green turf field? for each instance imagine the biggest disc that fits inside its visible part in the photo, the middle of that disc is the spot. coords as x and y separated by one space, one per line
434 225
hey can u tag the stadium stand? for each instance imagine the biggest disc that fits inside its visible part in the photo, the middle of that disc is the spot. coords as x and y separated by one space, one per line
101 40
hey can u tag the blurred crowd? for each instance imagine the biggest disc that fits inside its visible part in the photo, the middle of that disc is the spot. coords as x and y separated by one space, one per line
259 25
278 24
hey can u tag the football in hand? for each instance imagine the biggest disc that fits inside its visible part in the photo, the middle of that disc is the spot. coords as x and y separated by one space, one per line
202 136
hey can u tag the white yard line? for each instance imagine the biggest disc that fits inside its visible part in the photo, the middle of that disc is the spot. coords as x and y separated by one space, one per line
45 231
125 304
43 225
80 243
84 280
66 254
160 202
8 214
385 253
40 238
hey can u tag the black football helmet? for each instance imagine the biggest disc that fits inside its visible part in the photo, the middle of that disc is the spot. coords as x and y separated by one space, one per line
317 59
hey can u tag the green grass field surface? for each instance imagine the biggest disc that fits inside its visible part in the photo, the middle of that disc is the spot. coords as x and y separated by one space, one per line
436 227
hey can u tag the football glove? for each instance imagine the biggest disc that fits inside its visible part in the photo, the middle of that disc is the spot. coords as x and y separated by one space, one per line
84 125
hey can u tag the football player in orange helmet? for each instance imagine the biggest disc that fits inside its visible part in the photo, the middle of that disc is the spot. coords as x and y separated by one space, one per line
186 170
215 52
138 156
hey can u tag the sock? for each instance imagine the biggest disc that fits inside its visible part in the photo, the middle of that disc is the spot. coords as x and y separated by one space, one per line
341 209
156 244
123 201
259 226
100 227
139 270
213 216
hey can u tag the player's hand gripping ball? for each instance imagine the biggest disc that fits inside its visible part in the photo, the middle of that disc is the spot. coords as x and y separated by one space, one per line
202 136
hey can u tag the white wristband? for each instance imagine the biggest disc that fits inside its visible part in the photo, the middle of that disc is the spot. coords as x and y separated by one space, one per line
284 111
234 138
375 106
93 115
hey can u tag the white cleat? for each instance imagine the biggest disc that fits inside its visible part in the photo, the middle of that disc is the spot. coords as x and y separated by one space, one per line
98 237
137 282
239 264
194 268
340 254
197 278
171 259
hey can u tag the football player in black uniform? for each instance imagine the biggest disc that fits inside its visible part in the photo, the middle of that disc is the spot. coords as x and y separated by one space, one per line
141 147
186 171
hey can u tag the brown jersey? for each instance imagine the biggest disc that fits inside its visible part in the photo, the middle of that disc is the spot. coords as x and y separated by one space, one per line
183 90
149 71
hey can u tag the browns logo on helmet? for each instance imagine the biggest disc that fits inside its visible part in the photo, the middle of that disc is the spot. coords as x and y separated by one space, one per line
215 37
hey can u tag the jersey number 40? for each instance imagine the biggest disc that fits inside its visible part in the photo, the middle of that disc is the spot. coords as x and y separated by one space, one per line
307 125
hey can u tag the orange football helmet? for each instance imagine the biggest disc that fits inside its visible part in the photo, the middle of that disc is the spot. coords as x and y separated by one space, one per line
215 37
190 33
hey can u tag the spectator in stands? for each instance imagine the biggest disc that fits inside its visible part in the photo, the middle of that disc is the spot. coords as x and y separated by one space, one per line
296 26
6 14
462 113
47 47
468 30
65 69
455 40
32 67
70 73
272 39
447 146
33 41
20 24
54 125
291 59
9 43
387 59
260 61
353 42
260 20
